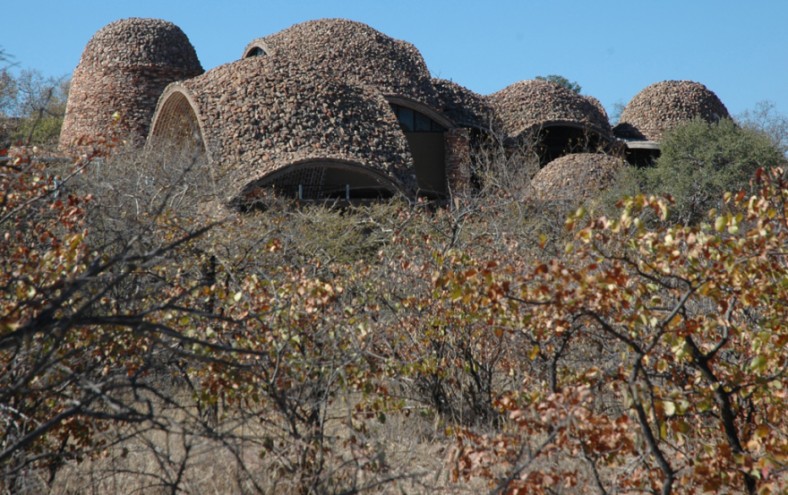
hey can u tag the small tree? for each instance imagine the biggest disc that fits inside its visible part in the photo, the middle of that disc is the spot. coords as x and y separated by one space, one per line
41 103
666 349
701 160
7 92
561 81
765 118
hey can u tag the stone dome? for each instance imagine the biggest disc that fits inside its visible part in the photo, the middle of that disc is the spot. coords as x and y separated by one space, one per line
123 71
463 106
266 121
598 104
662 106
576 177
528 106
353 52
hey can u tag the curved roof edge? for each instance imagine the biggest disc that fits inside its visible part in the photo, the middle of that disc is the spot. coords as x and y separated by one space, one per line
387 182
342 163
179 89
421 107
256 44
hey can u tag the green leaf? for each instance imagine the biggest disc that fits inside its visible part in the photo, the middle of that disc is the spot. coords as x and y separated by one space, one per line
758 363
719 224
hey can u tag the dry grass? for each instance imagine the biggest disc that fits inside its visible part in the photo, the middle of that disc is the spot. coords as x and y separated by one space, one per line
246 453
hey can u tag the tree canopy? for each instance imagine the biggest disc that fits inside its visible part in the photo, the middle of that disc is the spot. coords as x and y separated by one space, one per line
562 81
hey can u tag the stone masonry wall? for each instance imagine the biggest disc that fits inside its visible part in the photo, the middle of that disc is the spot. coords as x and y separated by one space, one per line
122 72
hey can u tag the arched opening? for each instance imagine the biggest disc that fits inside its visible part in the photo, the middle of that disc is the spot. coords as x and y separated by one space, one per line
427 143
176 126
255 52
318 180
555 141
257 48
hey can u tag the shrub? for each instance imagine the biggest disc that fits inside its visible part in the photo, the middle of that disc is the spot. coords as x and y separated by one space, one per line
388 348
701 160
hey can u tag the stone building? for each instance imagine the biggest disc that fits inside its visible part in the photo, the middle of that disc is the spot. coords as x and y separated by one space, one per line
264 122
553 119
120 77
332 108
659 108
574 178
357 54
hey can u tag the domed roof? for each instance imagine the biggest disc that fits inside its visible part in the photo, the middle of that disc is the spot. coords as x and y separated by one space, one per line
260 115
353 52
598 104
664 105
123 71
137 42
463 106
575 177
526 106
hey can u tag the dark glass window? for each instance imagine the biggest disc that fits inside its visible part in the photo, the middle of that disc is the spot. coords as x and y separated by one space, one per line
405 116
413 121
421 123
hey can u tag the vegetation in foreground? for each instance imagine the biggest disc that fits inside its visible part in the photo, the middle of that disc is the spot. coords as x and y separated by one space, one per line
148 346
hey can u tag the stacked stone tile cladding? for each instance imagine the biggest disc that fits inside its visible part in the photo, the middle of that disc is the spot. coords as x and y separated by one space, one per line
575 177
662 106
123 71
462 106
261 114
353 52
527 106
319 94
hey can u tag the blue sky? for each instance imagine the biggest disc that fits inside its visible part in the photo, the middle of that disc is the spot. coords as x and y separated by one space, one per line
613 49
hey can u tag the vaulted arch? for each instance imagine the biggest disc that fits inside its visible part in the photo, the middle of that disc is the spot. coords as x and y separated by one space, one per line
319 180
176 123
550 119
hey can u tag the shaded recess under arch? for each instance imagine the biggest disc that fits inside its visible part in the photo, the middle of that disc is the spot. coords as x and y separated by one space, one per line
556 139
319 180
255 51
551 119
